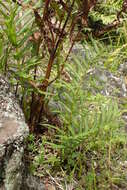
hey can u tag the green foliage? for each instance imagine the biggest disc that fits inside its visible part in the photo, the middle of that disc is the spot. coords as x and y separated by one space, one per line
25 53
90 143
87 146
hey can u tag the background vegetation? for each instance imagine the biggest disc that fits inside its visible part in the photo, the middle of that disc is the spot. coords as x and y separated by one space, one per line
76 136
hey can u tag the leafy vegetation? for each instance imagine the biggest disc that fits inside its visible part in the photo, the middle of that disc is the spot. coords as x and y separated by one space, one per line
76 135
90 146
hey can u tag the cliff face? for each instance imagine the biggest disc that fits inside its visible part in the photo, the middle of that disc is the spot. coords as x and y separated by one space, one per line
13 131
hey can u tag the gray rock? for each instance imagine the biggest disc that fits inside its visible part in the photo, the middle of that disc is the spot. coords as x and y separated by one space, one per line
99 80
78 50
33 183
13 131
123 68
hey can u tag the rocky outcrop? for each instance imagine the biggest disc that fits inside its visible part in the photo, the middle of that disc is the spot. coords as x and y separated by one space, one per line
99 80
13 131
31 182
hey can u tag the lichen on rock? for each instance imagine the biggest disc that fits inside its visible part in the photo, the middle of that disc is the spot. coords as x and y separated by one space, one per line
13 131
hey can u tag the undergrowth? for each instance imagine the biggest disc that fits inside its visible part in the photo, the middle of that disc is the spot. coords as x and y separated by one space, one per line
89 149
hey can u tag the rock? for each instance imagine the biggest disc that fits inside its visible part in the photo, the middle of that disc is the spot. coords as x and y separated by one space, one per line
99 80
78 50
31 182
123 68
13 131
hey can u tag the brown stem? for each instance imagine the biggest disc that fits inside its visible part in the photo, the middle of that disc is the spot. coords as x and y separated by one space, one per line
45 14
52 56
49 67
